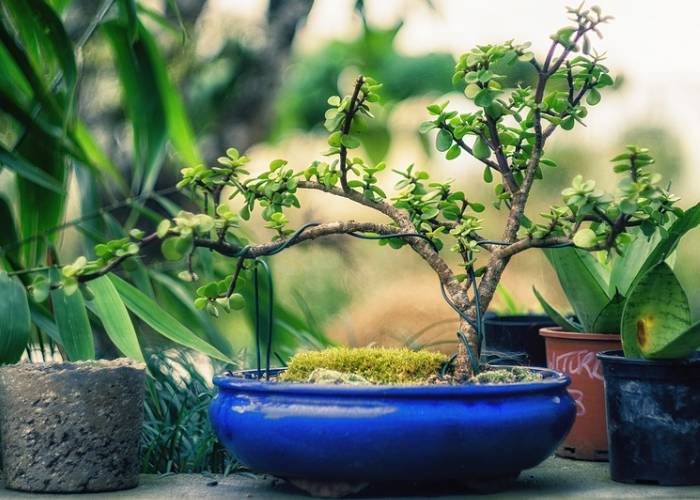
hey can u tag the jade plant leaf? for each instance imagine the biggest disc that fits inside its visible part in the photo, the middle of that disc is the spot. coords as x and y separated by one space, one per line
14 319
656 318
583 281
556 316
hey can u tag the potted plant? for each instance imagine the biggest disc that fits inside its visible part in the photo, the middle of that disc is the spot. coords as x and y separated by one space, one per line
75 425
652 387
511 333
455 423
597 293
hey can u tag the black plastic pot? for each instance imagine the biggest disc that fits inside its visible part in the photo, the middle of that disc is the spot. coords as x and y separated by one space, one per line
515 340
653 413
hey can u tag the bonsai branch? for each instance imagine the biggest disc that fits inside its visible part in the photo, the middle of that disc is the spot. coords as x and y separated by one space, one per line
355 103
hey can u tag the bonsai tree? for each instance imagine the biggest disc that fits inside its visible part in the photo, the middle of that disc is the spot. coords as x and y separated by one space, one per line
507 132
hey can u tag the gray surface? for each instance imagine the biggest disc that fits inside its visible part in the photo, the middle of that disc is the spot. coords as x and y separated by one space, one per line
556 478
71 426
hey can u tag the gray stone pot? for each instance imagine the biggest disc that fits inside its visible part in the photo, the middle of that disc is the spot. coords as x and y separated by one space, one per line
71 427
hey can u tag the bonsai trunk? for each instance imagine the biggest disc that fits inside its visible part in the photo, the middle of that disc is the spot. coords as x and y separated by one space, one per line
487 289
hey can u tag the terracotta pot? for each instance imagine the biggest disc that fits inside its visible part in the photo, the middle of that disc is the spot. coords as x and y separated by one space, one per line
574 354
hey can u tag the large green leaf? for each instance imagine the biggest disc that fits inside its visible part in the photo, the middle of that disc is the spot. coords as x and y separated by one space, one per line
39 208
97 159
625 268
149 311
73 325
142 100
179 128
109 307
583 280
608 320
43 322
9 227
26 170
689 220
21 60
655 316
554 315
15 322
45 40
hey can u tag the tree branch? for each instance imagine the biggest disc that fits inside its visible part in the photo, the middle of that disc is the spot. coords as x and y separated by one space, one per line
463 145
349 115
503 167
392 212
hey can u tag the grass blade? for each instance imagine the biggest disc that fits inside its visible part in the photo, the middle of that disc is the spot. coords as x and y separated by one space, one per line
73 325
149 311
15 322
108 306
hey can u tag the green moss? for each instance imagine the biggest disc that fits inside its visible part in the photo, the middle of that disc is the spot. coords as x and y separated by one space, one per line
377 365
509 376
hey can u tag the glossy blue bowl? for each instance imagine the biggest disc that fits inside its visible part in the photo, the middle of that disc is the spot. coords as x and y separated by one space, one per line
391 433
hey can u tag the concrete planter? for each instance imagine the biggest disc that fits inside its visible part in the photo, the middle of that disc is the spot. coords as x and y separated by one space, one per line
71 427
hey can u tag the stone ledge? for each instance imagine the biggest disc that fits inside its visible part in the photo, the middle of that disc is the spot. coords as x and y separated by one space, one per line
555 478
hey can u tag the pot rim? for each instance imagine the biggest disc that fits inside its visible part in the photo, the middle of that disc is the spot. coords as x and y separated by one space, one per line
246 381
81 366
518 319
616 356
557 332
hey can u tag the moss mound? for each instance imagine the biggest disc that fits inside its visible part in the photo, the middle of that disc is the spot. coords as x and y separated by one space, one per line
513 375
375 364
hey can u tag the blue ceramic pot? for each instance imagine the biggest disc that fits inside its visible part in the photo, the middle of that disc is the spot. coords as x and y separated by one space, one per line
391 433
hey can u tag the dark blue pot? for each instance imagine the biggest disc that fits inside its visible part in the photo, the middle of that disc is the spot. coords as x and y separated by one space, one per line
391 433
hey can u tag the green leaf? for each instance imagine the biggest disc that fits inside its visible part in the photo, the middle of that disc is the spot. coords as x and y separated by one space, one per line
44 323
73 325
485 98
654 328
179 125
43 34
161 321
109 307
453 152
609 318
583 280
350 141
26 170
142 99
689 220
567 123
426 127
481 149
584 238
593 97
443 141
488 175
626 267
472 90
554 315
97 159
175 248
14 319
47 155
